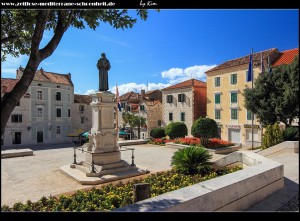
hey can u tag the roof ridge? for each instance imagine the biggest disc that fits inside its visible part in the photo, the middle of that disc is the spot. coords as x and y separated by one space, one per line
271 49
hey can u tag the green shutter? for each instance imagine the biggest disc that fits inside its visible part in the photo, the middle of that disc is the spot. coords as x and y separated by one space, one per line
217 99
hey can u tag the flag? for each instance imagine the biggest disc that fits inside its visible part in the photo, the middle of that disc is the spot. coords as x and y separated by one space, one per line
269 65
118 98
249 74
262 63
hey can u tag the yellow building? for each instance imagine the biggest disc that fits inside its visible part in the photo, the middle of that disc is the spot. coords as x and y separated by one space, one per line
225 101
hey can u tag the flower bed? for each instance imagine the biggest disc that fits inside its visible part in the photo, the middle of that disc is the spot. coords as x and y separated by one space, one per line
213 143
114 196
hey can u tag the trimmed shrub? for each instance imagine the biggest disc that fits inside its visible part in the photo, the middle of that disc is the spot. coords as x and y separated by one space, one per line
205 128
158 132
272 136
291 134
176 129
192 160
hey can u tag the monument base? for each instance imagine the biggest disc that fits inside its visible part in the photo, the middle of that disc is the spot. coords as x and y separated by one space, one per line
81 174
103 158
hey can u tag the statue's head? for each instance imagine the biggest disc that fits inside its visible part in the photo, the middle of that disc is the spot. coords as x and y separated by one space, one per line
103 55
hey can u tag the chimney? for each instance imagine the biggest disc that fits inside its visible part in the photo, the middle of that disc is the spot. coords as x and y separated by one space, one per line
69 74
143 94
19 72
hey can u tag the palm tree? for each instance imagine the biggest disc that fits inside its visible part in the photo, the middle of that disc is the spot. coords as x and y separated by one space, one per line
192 160
126 117
140 122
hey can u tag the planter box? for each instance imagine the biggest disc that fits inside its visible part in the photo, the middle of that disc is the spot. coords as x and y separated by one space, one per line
223 150
232 192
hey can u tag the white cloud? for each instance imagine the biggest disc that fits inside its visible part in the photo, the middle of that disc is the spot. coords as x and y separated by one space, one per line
11 64
177 75
172 73
124 88
91 91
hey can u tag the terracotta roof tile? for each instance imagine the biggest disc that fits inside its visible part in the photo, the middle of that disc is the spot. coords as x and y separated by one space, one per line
287 57
41 75
189 83
131 97
79 98
7 84
273 54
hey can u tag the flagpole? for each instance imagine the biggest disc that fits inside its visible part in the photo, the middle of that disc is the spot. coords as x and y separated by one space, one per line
117 113
252 115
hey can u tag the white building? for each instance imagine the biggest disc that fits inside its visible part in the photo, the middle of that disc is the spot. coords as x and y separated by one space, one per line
44 114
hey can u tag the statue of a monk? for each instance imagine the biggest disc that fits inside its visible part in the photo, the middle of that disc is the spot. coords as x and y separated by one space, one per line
103 66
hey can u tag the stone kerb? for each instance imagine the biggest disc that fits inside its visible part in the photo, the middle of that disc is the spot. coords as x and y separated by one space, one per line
232 192
223 150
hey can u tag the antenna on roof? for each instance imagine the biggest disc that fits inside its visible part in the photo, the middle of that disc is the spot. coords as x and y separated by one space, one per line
147 86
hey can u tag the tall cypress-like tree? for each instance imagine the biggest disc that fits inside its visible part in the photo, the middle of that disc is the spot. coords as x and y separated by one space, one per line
275 95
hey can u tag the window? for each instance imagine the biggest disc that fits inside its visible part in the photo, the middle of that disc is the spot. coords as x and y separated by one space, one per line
217 98
170 116
58 96
40 85
40 112
58 86
159 123
69 97
16 118
151 98
58 112
249 115
81 107
142 107
169 98
58 130
182 116
128 108
69 112
122 105
181 97
217 81
233 97
234 114
217 114
82 120
18 104
40 95
233 78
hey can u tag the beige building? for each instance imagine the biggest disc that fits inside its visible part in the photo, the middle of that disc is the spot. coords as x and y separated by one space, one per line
81 113
225 102
44 113
184 102
146 104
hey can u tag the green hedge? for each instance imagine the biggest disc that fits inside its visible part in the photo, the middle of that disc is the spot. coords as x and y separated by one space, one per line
205 128
176 130
158 132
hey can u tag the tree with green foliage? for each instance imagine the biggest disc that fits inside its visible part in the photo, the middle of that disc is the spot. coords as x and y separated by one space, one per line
139 121
192 160
291 134
22 32
272 136
176 130
158 132
205 128
275 95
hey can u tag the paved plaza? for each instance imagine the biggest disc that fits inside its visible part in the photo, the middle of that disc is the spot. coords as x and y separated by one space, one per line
32 177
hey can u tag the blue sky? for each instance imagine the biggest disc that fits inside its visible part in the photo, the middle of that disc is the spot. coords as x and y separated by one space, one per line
171 46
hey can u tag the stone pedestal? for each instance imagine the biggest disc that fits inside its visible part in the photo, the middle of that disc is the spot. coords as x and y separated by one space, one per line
103 156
